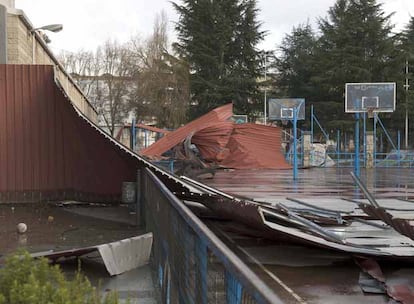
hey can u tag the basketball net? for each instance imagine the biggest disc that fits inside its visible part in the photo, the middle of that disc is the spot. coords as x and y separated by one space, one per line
285 122
370 112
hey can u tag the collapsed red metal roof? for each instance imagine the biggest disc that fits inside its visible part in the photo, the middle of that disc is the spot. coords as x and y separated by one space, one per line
255 146
172 139
212 141
219 140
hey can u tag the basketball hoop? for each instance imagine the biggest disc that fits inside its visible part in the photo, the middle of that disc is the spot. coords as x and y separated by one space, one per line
284 122
370 111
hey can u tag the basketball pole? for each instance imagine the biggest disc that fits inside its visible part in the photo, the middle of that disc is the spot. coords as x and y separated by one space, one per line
295 156
356 163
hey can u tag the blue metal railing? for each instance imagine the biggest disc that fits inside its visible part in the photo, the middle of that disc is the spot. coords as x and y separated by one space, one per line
194 265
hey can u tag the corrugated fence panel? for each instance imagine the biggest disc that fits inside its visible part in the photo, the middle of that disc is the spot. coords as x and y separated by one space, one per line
46 150
3 126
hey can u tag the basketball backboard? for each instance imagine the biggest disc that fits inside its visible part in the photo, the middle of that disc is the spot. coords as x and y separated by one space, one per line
239 119
283 109
365 97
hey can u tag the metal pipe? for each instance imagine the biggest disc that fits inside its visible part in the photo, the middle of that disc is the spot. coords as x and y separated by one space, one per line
356 163
338 145
364 190
386 133
364 138
331 236
312 124
295 156
398 148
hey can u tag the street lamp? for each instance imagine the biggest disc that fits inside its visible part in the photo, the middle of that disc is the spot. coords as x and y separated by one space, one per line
406 87
51 28
265 54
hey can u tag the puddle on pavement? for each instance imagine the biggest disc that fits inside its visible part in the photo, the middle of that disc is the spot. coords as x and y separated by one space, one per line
54 228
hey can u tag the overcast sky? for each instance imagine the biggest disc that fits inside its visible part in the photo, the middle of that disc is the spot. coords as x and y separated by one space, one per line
88 23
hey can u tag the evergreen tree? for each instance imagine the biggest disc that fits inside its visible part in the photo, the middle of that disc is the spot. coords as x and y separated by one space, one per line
356 45
218 39
406 68
295 64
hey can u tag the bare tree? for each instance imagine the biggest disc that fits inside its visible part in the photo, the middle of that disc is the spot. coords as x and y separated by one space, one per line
83 67
161 88
112 101
140 75
104 77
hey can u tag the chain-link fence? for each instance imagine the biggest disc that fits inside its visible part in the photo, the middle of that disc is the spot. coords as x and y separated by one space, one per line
193 265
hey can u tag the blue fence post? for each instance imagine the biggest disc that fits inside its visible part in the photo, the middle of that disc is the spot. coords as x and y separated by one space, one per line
295 152
365 139
338 145
356 163
133 134
345 142
398 148
234 290
311 124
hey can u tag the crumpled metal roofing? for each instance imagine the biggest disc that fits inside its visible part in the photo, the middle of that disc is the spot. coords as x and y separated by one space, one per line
212 141
172 139
403 226
219 140
255 146
398 286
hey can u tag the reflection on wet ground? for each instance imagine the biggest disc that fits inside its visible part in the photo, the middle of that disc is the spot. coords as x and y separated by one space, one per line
315 275
320 182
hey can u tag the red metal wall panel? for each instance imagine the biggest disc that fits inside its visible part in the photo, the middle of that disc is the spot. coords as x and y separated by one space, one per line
46 150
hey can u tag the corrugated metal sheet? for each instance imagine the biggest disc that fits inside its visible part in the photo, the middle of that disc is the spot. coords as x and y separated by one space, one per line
212 141
405 226
46 150
174 138
253 146
244 146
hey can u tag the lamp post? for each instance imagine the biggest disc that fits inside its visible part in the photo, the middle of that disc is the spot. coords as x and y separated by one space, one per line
51 28
406 86
265 54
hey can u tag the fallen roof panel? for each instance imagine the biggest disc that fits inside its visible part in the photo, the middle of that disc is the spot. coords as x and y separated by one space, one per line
174 138
254 146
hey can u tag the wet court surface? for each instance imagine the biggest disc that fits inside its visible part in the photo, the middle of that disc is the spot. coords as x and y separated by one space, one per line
308 274
316 182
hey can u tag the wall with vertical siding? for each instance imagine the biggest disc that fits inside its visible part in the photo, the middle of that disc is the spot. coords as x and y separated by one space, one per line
27 47
47 151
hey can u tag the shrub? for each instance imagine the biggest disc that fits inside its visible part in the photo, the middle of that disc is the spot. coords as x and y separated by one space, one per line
25 280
